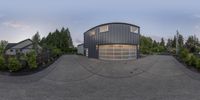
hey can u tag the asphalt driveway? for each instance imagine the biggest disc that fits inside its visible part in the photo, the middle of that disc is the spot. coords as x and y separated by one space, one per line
79 78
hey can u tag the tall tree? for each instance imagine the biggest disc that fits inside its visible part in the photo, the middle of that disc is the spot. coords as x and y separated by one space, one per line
192 43
3 44
174 42
162 43
59 39
169 43
36 41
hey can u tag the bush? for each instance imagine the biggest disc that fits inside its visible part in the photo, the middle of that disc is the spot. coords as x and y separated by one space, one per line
56 52
14 64
198 63
183 54
2 63
31 60
192 60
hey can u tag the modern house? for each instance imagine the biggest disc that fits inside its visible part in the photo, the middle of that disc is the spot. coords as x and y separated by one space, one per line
112 41
24 47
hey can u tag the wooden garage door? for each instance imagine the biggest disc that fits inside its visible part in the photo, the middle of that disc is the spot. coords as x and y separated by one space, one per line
117 52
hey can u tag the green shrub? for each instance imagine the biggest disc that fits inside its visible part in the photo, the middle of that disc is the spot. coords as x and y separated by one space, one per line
14 64
192 60
2 63
56 52
183 54
198 63
31 60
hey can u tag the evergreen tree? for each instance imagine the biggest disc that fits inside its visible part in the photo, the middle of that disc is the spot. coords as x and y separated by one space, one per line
36 41
59 39
162 43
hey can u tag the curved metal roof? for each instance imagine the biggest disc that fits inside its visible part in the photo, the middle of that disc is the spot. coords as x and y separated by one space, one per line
111 23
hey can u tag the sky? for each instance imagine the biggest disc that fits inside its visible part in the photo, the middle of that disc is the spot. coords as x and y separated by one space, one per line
21 19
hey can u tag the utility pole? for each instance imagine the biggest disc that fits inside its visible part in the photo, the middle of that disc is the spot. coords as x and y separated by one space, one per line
177 45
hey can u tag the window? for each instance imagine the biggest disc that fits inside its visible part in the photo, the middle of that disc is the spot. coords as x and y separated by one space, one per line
134 29
103 28
11 50
92 32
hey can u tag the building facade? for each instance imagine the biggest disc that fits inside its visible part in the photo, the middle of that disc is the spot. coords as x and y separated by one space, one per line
80 49
22 47
112 41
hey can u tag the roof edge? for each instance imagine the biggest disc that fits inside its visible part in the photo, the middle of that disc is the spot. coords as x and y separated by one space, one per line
19 43
111 23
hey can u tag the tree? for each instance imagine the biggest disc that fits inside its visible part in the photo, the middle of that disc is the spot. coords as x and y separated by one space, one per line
3 44
174 42
36 41
162 43
169 43
180 40
145 44
191 44
59 39
155 44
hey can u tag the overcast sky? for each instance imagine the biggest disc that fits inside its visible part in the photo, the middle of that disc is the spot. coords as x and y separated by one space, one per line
20 19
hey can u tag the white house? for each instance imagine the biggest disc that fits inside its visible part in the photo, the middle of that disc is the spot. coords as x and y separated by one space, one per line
80 49
24 47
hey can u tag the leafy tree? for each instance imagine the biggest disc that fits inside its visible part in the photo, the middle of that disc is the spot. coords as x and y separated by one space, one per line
145 44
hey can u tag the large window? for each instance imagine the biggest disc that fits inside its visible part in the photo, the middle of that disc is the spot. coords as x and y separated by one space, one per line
103 28
117 52
134 29
92 33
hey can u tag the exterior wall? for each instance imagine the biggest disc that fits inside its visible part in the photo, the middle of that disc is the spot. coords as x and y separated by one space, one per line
8 52
118 33
80 49
26 50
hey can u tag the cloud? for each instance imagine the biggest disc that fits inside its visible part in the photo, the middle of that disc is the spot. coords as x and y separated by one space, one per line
17 25
78 41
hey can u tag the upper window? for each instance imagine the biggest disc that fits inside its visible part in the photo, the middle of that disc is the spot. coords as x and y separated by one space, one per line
103 28
92 32
11 50
134 29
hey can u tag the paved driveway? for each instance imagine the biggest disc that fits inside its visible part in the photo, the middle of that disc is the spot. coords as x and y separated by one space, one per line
78 78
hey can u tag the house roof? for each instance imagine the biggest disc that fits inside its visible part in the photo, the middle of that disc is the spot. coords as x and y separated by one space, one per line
10 45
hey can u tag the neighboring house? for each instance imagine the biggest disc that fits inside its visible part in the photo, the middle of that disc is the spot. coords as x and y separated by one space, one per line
24 47
80 49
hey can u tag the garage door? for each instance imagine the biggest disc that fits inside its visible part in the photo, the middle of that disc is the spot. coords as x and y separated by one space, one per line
117 52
